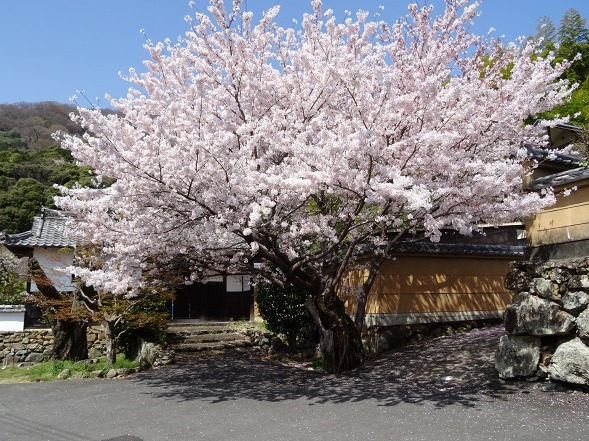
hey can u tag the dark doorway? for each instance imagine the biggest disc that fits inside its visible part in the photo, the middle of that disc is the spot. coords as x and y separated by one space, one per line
211 301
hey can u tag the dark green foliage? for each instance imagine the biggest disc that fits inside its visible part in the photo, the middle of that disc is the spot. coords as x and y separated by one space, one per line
20 202
11 141
572 39
31 162
283 309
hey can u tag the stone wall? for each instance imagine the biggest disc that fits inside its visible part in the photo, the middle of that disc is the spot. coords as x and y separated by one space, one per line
547 322
33 345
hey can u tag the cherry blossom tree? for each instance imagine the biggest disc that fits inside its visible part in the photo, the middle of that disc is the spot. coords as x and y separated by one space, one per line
309 148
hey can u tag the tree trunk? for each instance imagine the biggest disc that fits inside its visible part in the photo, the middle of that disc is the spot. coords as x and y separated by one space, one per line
70 341
69 329
110 341
340 342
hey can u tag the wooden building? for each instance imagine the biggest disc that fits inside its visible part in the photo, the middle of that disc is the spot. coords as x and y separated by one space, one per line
458 279
561 231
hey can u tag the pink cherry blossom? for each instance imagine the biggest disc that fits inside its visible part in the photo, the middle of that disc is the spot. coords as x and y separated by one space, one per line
309 147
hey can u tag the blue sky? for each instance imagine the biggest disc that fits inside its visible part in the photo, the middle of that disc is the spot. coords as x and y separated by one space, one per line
53 48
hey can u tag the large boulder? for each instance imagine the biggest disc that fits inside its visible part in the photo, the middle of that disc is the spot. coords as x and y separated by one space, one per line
153 355
537 317
517 356
570 363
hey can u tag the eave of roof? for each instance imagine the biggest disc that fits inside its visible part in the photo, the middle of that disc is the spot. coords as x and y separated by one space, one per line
559 179
461 249
539 154
48 230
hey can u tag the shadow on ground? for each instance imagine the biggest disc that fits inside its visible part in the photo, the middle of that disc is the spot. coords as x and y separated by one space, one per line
454 370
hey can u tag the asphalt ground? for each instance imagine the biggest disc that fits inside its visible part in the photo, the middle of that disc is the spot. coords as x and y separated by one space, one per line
444 389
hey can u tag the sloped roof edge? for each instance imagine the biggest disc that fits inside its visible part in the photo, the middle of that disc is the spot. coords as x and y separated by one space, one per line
558 179
48 230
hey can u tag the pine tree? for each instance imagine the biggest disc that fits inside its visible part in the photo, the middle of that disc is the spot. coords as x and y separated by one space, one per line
573 37
546 31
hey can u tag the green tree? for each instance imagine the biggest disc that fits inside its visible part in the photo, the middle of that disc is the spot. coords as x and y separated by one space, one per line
20 202
573 37
546 31
570 41
27 178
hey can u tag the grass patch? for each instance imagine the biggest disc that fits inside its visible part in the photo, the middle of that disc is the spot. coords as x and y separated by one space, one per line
316 365
49 370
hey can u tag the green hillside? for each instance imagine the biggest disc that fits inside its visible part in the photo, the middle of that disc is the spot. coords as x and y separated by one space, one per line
31 162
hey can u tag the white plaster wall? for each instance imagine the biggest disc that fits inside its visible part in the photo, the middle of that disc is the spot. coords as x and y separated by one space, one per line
12 321
53 261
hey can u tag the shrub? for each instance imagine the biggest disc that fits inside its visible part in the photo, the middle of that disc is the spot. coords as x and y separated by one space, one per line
284 311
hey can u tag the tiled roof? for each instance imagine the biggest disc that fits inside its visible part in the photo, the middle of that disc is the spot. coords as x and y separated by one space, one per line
461 248
562 178
553 156
48 230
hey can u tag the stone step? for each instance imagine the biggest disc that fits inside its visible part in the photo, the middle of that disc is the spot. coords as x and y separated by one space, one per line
223 337
211 346
196 323
184 328
186 336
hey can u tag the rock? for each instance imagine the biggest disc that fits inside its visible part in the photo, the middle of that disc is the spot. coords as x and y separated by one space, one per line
66 373
575 302
35 357
570 363
264 341
94 353
517 280
519 297
112 373
78 375
153 355
123 372
583 325
579 282
537 317
97 374
277 344
164 359
517 356
545 289
147 354
559 275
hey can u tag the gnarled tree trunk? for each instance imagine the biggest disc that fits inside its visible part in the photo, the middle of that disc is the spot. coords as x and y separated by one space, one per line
109 325
340 342
70 341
